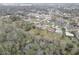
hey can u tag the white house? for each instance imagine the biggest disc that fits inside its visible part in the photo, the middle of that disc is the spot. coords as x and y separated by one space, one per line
69 34
58 30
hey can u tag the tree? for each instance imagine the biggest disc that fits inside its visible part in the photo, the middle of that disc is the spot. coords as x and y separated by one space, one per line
63 32
15 18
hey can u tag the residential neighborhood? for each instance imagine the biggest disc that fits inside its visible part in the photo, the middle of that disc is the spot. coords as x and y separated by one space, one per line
39 29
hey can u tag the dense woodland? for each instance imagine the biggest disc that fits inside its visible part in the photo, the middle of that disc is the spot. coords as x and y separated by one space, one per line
20 37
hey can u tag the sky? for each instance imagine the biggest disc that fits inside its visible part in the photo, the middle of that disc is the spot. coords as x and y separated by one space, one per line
39 1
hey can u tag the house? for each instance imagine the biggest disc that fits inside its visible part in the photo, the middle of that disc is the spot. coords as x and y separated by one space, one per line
58 30
69 34
51 29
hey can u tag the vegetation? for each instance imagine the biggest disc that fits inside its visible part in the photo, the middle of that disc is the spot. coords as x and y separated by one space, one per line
20 37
